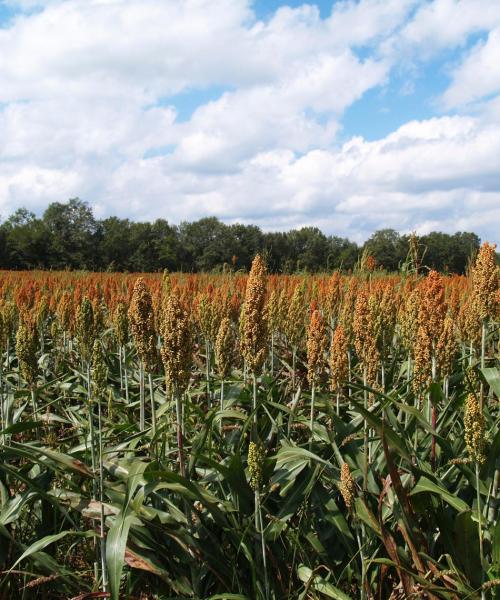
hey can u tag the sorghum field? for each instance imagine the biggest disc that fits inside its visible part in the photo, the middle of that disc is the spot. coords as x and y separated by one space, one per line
250 437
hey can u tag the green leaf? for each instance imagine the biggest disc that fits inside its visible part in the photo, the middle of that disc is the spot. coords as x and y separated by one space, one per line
115 550
492 376
426 485
43 543
319 584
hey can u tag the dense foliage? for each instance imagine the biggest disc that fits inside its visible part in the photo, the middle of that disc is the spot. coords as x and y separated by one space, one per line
69 236
241 438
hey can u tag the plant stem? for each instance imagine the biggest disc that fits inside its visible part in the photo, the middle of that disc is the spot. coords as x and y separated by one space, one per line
480 528
101 500
142 411
313 395
153 410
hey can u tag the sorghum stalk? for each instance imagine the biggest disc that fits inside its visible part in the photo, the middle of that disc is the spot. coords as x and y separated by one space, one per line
100 373
141 317
254 349
224 354
176 354
475 441
316 345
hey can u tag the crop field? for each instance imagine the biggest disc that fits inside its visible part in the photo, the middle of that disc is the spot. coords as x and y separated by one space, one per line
251 437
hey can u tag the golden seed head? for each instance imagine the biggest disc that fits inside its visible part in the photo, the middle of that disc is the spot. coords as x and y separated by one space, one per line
166 284
339 360
422 352
408 319
432 304
177 343
347 486
254 327
294 324
347 307
273 311
446 347
469 320
225 348
99 369
206 316
10 315
141 317
316 346
485 281
365 339
474 429
256 458
26 348
333 296
85 332
120 322
64 311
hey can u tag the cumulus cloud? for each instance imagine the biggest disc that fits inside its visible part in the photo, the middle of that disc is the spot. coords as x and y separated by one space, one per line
88 92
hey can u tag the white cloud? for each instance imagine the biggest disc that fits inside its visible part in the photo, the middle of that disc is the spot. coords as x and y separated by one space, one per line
87 89
478 76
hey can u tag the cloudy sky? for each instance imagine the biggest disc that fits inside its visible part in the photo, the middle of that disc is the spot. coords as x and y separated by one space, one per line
348 115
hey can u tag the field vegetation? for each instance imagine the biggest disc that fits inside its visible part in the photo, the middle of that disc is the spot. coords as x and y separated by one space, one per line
251 437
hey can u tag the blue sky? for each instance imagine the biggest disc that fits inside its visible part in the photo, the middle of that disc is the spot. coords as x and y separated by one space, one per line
350 115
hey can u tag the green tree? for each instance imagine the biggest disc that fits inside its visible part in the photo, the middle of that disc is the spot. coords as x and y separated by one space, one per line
25 241
72 233
388 248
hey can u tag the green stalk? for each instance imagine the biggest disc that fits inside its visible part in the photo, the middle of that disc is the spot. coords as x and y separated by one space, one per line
484 332
93 459
34 408
142 407
120 365
207 370
153 410
180 436
365 434
102 538
221 401
313 397
260 531
480 529
125 373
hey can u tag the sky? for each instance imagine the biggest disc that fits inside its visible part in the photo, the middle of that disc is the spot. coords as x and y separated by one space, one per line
348 115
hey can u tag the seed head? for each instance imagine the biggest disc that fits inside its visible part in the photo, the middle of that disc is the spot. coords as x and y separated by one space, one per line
408 319
26 348
474 429
256 458
316 345
120 322
348 304
347 486
254 326
339 360
99 369
334 296
485 281
446 347
141 317
85 332
64 311
177 343
422 351
365 338
224 348
294 324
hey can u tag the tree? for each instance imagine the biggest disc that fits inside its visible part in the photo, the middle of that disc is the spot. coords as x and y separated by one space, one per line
72 230
388 248
25 240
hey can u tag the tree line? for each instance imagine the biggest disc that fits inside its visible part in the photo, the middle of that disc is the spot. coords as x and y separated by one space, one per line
68 236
